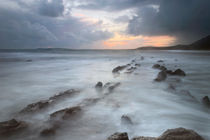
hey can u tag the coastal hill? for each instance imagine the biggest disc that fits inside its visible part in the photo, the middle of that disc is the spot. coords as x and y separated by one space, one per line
202 44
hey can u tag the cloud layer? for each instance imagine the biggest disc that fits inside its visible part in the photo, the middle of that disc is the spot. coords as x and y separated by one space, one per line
42 23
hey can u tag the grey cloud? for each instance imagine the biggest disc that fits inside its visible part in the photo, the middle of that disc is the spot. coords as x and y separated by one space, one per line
187 20
53 8
28 29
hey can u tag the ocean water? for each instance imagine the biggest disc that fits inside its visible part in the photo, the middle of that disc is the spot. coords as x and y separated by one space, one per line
28 77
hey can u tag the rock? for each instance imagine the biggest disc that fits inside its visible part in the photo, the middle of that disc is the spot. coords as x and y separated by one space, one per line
163 68
11 126
156 66
131 68
35 106
180 134
169 72
64 94
48 132
113 86
179 72
46 103
99 85
160 61
144 138
126 120
206 101
161 76
137 65
66 113
118 136
119 68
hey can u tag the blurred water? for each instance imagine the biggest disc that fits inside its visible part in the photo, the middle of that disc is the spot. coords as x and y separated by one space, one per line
28 77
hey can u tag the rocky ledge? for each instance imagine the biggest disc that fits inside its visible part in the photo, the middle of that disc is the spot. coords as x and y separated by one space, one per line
170 134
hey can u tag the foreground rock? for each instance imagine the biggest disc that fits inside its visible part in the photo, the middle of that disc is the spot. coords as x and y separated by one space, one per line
46 103
11 127
99 85
119 68
170 134
161 76
66 113
144 138
179 72
126 120
118 136
48 132
180 134
206 101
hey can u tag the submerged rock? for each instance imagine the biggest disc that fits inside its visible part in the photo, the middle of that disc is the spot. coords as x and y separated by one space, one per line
137 65
156 66
46 103
118 69
11 126
161 76
118 136
99 85
206 101
48 132
35 106
180 134
179 72
144 138
126 120
66 113
113 86
160 61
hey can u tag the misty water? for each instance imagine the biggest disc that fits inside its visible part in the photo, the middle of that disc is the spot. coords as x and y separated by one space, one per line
28 77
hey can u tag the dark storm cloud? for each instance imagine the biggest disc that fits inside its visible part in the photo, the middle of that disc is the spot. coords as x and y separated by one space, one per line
112 5
24 26
187 20
52 8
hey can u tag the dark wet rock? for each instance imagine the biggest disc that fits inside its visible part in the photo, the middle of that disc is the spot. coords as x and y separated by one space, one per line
131 68
113 86
11 127
144 138
118 69
133 61
137 65
180 134
46 103
64 94
179 72
163 68
160 61
99 85
161 76
48 132
156 66
36 106
169 72
66 113
126 120
89 101
118 136
206 101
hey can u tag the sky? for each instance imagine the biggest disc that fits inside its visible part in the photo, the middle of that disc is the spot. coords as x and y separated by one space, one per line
102 24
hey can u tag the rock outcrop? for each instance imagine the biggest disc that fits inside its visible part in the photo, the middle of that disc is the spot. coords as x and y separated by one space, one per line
118 136
12 126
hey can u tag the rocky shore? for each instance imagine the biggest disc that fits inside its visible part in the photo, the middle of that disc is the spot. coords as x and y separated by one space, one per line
58 119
